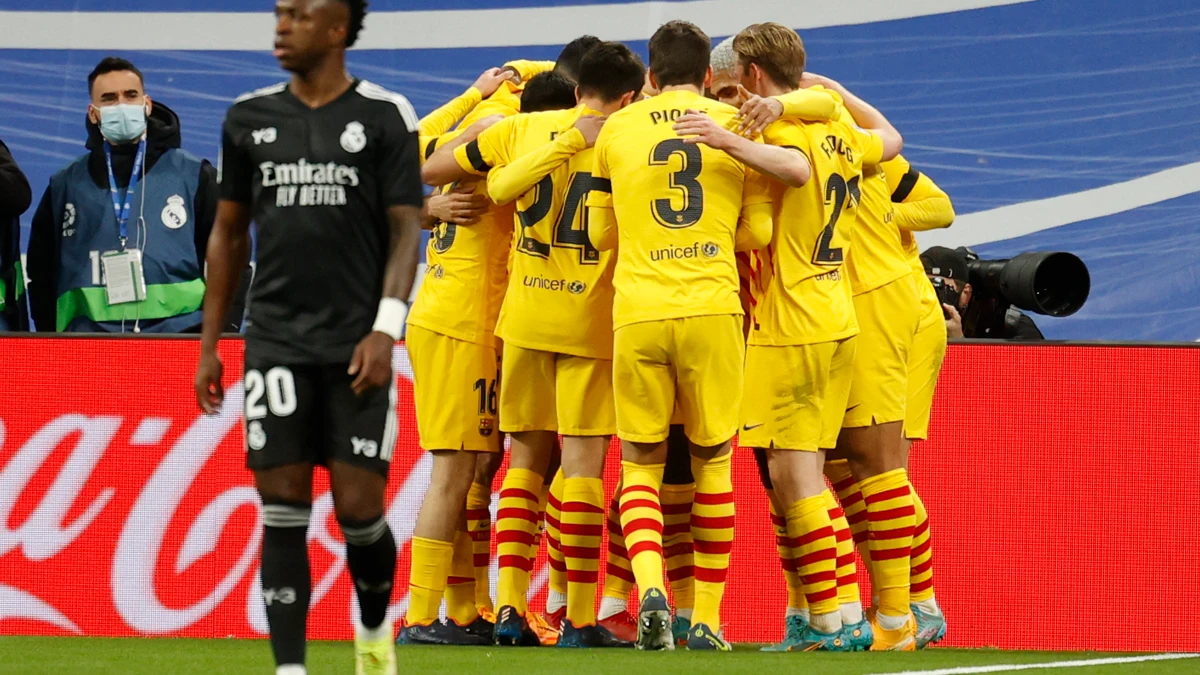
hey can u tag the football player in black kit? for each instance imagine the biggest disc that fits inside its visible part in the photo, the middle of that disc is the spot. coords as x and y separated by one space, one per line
327 167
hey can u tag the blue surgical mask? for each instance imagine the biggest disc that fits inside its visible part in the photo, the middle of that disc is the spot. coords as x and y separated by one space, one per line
123 123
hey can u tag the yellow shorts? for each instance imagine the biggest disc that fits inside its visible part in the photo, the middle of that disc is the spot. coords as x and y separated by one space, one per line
887 321
924 363
796 396
546 391
454 386
695 362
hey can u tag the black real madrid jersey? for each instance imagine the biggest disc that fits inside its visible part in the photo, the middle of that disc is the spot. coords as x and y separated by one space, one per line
319 183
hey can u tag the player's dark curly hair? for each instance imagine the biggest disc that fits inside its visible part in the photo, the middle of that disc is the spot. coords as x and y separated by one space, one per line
358 12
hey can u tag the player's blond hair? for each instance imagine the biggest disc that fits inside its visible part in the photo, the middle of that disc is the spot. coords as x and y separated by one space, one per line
774 48
723 57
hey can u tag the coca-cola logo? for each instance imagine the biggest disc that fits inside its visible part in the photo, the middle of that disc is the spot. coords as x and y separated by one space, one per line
164 500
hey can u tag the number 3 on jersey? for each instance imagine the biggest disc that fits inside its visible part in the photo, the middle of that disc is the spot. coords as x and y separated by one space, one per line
836 191
684 180
566 235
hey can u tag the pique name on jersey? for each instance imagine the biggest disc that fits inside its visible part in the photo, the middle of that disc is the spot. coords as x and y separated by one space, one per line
304 183
660 116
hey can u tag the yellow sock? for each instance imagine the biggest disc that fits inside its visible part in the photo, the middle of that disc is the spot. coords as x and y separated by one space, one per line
847 570
642 522
921 571
795 591
582 533
618 572
479 524
460 585
890 518
558 565
427 580
814 547
516 523
712 532
677 543
854 507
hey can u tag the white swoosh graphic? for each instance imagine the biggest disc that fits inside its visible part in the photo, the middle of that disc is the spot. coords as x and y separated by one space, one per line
17 604
518 26
1018 220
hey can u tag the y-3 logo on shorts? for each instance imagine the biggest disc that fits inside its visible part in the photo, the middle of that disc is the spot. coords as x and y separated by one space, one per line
365 447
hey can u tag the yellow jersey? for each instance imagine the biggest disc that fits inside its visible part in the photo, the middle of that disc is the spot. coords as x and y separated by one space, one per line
676 207
805 293
560 291
877 256
466 269
920 205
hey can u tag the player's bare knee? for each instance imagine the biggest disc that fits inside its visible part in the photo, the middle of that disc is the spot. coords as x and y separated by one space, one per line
583 456
358 494
532 450
644 453
290 484
487 465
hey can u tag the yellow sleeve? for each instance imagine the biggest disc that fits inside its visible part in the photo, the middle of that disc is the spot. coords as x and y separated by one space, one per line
444 118
756 224
506 182
427 145
810 105
602 219
921 204
872 147
491 148
527 69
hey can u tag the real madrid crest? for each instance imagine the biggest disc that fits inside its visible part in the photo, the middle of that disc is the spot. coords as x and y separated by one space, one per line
174 215
68 226
354 138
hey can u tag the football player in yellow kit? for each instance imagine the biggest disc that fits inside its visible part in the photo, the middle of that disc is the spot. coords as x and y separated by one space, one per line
799 364
873 484
920 205
453 352
673 210
559 372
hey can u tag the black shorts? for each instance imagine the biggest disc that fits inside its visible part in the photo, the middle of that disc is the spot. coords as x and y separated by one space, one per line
308 414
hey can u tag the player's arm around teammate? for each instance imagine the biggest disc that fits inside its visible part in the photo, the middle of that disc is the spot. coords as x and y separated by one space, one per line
798 364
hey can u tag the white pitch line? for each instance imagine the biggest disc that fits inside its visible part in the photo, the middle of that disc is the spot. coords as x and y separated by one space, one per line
440 29
1017 220
972 670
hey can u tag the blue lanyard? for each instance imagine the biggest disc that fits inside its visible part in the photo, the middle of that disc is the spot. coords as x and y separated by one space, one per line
122 211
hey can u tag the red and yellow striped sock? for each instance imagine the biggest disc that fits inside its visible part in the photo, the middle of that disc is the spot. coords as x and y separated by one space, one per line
921 576
890 519
855 508
642 523
460 585
814 548
677 544
618 573
516 523
847 570
582 531
558 564
712 535
795 591
479 525
427 580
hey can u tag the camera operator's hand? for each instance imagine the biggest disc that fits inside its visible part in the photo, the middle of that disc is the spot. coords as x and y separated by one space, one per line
953 321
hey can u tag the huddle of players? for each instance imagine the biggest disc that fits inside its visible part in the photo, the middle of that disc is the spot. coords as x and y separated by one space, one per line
647 227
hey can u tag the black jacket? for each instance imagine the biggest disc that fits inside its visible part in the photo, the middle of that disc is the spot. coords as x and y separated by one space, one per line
14 200
162 134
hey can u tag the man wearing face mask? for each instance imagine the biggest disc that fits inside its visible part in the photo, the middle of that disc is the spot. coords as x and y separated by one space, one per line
119 239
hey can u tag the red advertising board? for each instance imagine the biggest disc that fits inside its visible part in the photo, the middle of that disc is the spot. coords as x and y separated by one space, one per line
1063 484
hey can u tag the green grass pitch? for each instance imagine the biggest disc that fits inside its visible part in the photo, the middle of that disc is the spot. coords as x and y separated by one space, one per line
100 656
